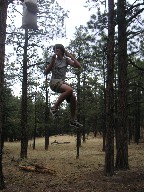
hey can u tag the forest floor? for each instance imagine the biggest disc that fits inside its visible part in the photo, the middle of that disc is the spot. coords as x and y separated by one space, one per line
65 173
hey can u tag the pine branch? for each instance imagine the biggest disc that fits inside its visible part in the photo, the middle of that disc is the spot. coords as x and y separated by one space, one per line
11 1
134 6
36 64
18 11
133 33
133 53
135 102
139 68
136 85
134 16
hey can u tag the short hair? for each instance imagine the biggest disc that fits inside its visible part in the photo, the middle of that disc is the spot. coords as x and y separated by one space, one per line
59 46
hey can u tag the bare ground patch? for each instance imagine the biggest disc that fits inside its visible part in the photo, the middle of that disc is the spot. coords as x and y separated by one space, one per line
71 175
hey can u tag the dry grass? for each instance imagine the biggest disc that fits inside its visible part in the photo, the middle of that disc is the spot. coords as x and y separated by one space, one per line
83 174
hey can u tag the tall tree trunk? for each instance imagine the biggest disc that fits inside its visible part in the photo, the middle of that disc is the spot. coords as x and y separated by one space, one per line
3 18
122 136
46 119
24 134
104 114
83 111
35 124
78 144
137 116
109 151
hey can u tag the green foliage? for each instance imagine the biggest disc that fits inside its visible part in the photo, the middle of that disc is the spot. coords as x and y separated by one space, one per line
90 48
11 116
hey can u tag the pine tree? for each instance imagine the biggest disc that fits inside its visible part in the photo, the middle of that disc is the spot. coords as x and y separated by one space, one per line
121 130
3 18
109 155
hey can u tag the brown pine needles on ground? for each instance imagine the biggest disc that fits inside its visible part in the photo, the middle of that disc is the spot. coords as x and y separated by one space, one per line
85 174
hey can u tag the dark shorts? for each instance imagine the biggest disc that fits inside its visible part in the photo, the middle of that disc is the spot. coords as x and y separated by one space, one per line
55 86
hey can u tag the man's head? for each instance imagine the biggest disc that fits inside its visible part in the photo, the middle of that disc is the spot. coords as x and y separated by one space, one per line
59 46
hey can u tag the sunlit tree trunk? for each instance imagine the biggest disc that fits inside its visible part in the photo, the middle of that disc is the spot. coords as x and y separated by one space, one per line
122 136
109 150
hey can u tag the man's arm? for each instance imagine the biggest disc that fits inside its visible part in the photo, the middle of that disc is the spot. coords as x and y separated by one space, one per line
73 62
50 65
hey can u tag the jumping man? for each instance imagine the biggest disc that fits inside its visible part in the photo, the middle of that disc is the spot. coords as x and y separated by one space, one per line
58 65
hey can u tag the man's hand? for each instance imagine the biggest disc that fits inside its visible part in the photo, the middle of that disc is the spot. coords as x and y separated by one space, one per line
54 57
67 54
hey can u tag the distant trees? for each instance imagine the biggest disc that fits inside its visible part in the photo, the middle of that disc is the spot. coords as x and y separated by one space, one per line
135 99
11 129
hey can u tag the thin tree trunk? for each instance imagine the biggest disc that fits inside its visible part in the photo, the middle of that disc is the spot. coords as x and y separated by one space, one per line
122 135
46 119
78 144
137 117
35 124
104 115
24 135
83 113
109 151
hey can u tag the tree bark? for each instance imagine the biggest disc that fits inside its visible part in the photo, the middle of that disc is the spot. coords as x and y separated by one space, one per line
35 122
109 151
122 136
46 119
104 115
78 144
3 18
24 135
137 116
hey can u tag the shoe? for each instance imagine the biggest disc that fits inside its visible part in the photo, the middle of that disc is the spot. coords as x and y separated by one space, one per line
53 112
75 123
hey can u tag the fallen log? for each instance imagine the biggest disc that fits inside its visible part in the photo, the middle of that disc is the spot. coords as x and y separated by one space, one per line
56 142
37 168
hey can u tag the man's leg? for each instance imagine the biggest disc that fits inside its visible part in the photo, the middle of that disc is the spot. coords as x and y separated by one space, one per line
65 91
